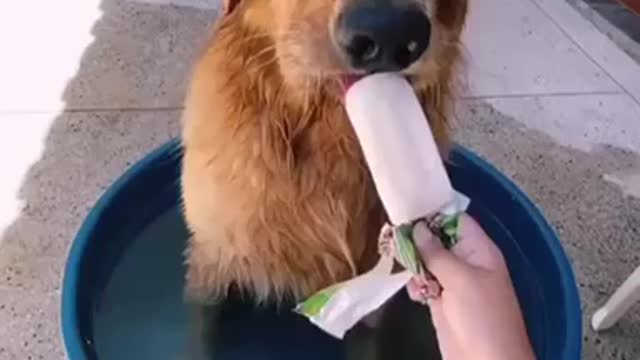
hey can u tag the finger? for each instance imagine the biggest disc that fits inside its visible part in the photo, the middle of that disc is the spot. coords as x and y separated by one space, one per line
475 247
438 260
471 236
449 347
423 288
414 291
444 333
427 243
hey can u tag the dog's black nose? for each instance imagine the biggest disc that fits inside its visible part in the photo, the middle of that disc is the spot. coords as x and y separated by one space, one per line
382 38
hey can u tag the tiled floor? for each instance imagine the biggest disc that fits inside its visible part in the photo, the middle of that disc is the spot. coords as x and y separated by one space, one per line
88 87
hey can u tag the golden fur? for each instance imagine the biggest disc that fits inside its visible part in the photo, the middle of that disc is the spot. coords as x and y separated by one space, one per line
275 189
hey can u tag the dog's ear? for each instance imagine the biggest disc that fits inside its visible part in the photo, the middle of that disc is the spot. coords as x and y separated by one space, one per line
229 5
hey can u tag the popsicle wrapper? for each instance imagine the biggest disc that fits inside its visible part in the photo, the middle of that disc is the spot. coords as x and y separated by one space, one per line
340 307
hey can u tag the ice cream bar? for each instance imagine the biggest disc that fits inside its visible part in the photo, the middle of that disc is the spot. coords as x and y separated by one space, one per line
412 183
398 146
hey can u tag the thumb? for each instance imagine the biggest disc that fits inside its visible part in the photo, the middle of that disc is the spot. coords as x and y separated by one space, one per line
438 260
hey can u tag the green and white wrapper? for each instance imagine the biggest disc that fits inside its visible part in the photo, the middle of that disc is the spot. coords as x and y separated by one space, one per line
340 307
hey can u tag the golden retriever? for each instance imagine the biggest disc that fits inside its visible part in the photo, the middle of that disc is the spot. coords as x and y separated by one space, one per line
276 192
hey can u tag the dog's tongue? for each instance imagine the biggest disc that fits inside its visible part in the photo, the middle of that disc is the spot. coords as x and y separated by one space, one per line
348 80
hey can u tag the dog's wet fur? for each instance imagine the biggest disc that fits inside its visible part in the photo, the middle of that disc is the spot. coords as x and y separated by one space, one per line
276 192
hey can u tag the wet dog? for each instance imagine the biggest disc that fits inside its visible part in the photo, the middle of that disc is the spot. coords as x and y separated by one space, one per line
276 192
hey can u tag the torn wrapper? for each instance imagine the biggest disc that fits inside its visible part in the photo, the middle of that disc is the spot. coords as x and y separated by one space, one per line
339 307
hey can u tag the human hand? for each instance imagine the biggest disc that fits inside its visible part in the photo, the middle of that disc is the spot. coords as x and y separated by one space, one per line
477 315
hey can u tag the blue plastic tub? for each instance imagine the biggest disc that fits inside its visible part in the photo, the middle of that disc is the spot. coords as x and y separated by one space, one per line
122 293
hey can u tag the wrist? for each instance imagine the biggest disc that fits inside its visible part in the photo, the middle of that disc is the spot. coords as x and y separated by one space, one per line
520 350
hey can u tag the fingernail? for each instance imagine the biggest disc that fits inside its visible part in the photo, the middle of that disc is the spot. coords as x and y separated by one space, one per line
423 237
420 230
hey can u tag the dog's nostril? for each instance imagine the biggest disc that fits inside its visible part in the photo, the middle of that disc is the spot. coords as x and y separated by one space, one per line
383 38
363 48
405 54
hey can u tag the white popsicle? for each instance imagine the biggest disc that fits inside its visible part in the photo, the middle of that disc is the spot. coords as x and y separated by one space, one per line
411 181
399 147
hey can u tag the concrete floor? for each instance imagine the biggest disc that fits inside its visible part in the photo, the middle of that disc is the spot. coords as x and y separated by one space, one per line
90 86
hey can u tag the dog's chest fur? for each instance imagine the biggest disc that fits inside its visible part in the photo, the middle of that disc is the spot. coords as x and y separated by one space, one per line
277 196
